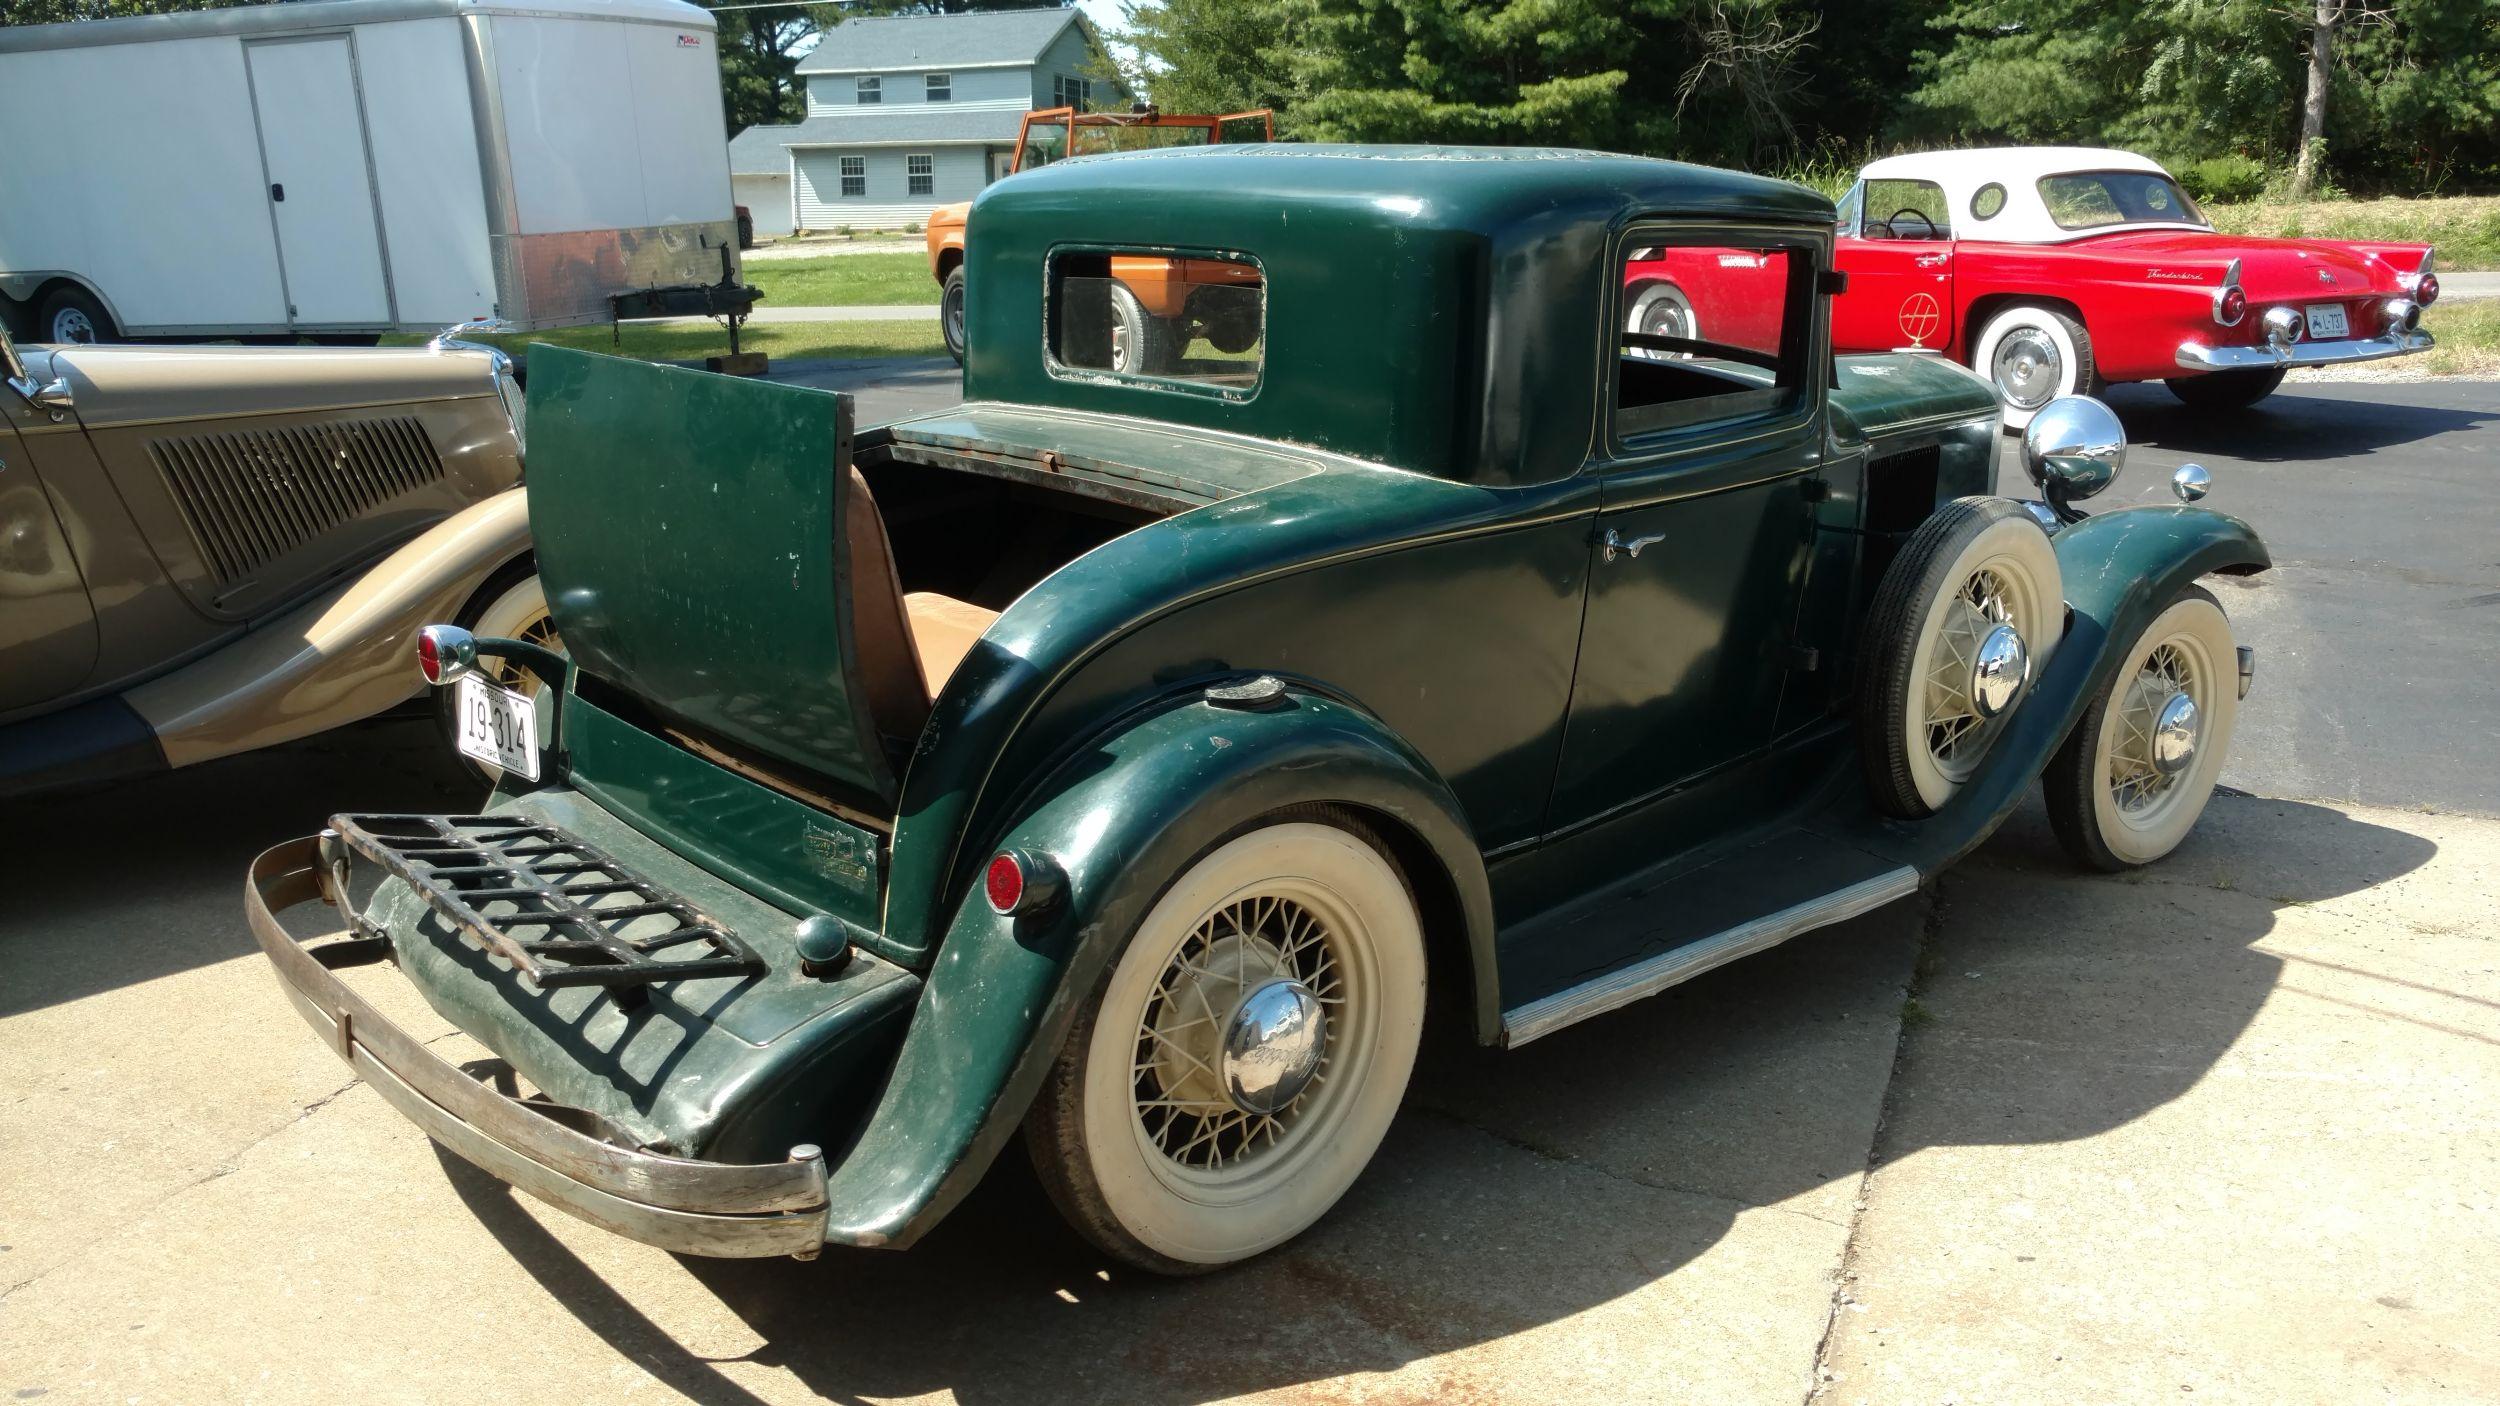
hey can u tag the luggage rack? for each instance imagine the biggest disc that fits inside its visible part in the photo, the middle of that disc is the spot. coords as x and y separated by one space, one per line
581 902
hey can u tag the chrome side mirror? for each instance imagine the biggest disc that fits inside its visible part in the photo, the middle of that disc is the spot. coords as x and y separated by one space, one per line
2074 448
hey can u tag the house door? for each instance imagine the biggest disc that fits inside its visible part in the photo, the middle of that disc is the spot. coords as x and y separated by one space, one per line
320 181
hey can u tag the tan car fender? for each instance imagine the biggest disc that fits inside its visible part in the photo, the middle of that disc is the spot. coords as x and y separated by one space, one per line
349 653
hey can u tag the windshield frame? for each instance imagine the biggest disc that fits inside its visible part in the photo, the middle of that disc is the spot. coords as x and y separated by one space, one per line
2192 215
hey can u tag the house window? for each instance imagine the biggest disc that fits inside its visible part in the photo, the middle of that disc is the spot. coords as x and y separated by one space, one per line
872 90
854 175
921 169
1069 92
941 87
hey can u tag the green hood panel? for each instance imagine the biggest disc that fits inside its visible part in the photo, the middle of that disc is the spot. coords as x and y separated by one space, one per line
1895 393
685 527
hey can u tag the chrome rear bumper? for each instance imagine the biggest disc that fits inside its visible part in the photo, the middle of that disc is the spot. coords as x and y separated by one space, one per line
684 1206
2196 356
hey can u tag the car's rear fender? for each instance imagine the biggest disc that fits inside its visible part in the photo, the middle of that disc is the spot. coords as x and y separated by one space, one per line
1120 820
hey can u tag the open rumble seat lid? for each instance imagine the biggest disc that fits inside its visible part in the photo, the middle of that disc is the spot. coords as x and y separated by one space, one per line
685 527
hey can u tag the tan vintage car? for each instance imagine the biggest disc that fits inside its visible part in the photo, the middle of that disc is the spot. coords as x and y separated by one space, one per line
208 549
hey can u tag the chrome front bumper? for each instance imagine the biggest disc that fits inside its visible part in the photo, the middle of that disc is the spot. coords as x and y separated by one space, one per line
2196 356
680 1205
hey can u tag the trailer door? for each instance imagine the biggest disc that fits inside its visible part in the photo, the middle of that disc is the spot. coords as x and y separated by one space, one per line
321 197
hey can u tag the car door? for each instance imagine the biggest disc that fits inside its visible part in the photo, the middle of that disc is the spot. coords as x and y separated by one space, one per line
1898 254
1699 548
47 622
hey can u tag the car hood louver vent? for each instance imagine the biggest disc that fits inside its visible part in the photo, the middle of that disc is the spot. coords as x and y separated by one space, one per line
252 496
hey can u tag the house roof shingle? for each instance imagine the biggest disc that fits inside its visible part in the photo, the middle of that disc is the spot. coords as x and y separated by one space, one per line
757 151
921 42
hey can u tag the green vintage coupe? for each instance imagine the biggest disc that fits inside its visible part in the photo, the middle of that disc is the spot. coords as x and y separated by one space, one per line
1133 761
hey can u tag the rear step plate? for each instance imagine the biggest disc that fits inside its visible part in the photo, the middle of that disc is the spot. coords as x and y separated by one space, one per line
559 909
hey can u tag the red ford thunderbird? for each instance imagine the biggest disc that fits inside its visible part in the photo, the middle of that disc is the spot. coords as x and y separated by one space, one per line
2057 270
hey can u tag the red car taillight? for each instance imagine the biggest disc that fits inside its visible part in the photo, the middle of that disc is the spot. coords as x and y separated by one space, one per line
2230 305
2426 292
444 653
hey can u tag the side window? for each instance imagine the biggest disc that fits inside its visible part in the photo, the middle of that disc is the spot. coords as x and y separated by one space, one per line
854 175
1897 209
872 90
1711 333
1158 318
1987 202
941 88
1845 219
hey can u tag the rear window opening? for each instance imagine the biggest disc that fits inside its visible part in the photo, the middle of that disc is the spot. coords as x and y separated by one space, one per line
1158 318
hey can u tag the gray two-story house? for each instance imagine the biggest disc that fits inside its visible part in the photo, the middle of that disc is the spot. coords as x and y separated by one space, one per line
911 112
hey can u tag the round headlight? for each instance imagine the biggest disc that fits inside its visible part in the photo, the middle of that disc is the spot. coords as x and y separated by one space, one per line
2074 448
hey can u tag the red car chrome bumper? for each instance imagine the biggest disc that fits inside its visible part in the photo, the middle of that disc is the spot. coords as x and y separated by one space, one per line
2196 356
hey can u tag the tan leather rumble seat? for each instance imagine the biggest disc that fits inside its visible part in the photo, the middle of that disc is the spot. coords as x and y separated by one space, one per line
907 645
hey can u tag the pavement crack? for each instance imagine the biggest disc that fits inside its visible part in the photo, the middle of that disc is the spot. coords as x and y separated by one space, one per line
1922 967
1572 1159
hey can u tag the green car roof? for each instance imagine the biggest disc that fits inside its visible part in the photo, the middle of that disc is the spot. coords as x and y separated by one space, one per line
1440 309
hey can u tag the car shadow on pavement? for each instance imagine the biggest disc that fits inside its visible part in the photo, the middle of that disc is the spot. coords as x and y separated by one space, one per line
139 854
1525 1188
2320 424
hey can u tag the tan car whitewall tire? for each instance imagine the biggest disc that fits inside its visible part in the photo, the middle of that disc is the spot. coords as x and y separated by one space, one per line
513 611
2112 807
1133 1134
1975 564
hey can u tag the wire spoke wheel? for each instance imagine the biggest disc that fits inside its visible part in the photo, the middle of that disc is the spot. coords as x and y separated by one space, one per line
2135 774
1957 733
1246 1054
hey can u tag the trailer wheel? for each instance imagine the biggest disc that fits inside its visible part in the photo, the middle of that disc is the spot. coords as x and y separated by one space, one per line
72 315
951 313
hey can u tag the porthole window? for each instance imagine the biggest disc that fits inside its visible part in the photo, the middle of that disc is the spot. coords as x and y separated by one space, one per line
1989 200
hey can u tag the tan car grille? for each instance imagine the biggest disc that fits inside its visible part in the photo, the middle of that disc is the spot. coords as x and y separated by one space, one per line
252 496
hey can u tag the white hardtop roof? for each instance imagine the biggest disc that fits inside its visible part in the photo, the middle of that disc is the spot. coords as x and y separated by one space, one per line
335 14
2023 218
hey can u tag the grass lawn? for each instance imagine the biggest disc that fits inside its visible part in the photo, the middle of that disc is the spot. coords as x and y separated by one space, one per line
2468 334
782 341
846 280
2465 229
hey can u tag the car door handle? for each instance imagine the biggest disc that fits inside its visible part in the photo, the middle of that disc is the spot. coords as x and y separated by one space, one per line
1615 542
1931 261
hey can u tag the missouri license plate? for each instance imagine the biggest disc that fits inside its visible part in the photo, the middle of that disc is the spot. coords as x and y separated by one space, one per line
2326 321
498 726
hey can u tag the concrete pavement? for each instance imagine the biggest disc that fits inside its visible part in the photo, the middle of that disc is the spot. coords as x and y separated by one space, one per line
2469 285
2228 1126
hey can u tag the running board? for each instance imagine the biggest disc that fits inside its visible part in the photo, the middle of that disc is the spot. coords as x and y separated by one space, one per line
1625 985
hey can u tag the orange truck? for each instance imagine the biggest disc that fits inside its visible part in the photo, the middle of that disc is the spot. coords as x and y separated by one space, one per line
1152 317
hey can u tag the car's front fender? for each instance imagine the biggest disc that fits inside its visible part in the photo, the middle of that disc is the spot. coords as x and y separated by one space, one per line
2120 570
346 655
1121 818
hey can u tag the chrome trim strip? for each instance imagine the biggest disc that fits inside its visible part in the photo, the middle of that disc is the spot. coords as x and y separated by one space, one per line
1647 978
2196 356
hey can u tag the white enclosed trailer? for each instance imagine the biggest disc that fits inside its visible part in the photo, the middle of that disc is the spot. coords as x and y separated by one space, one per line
349 167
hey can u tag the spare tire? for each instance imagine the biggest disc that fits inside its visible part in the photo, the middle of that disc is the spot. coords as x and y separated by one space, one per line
1932 693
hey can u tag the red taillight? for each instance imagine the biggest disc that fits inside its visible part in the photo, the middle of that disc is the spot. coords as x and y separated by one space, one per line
1005 883
2230 307
2426 292
429 658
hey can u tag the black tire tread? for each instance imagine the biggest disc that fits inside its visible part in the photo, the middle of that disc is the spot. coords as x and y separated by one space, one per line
1888 646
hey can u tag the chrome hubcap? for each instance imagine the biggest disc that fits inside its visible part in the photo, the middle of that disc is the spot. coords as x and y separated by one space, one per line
1980 663
1999 671
2175 731
1272 1046
2159 726
2028 368
1235 1042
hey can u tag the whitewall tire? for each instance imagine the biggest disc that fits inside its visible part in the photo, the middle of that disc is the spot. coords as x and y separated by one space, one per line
1143 1134
1925 715
2033 355
1662 310
2120 793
